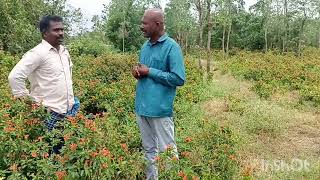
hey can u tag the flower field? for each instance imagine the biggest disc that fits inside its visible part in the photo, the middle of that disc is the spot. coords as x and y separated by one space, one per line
280 73
103 141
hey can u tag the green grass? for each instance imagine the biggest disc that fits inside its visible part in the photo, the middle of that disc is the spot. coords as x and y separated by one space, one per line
266 129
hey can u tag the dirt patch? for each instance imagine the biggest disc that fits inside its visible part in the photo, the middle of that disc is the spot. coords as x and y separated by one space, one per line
291 97
215 107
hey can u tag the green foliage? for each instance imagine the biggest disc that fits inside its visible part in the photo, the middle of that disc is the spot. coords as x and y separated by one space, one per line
274 73
19 22
92 43
103 140
122 24
180 24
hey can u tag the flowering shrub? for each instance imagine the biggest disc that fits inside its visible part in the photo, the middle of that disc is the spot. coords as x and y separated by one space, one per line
273 73
103 140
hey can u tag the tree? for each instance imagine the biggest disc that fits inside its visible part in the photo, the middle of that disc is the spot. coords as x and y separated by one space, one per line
179 22
263 7
200 7
19 21
122 19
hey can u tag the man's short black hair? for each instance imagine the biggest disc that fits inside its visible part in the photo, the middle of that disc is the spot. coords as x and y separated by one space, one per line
45 22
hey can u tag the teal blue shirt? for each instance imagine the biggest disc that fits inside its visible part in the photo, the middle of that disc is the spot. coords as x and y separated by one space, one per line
156 92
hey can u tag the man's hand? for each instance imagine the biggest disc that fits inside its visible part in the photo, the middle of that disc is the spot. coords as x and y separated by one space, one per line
135 72
27 100
143 70
20 98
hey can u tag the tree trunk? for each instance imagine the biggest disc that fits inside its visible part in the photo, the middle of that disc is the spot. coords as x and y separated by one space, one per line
199 9
319 31
209 35
266 39
285 39
300 36
186 44
123 32
180 39
201 36
228 39
223 38
209 47
301 32
319 38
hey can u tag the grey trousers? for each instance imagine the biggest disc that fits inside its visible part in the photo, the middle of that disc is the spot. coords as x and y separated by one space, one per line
157 134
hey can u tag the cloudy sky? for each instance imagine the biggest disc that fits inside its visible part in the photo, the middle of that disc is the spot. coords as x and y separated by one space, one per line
94 7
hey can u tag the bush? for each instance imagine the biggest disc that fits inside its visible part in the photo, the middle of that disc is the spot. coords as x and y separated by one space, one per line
103 140
272 73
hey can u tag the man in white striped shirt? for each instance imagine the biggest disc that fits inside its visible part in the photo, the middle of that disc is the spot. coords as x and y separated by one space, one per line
48 67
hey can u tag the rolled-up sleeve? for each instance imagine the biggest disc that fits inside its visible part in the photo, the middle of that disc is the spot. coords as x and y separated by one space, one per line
18 75
176 74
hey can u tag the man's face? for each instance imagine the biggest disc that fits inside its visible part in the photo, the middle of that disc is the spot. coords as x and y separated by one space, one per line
54 34
148 27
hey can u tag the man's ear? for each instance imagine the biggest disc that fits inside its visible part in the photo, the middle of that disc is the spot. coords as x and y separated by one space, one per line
44 34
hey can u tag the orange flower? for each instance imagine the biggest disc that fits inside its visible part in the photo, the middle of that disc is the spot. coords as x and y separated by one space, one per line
175 158
66 137
104 165
7 105
34 106
32 122
188 139
73 147
61 159
124 147
34 154
121 158
40 138
195 178
72 120
94 154
13 167
26 136
9 129
181 174
157 158
82 141
105 152
45 155
6 115
232 157
10 123
61 174
90 125
80 116
185 154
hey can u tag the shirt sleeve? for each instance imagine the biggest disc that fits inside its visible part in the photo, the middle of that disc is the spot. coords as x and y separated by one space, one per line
18 75
176 75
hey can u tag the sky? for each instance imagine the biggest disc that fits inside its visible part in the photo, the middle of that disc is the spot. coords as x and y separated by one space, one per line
90 8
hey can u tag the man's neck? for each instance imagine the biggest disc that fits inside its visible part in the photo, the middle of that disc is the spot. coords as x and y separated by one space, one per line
156 37
57 46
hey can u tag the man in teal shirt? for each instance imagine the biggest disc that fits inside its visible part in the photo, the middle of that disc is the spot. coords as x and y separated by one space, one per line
160 71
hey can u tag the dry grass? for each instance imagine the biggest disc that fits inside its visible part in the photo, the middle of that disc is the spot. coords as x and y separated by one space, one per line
273 129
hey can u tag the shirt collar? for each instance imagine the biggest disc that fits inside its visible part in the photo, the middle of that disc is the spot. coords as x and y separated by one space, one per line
48 46
161 39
